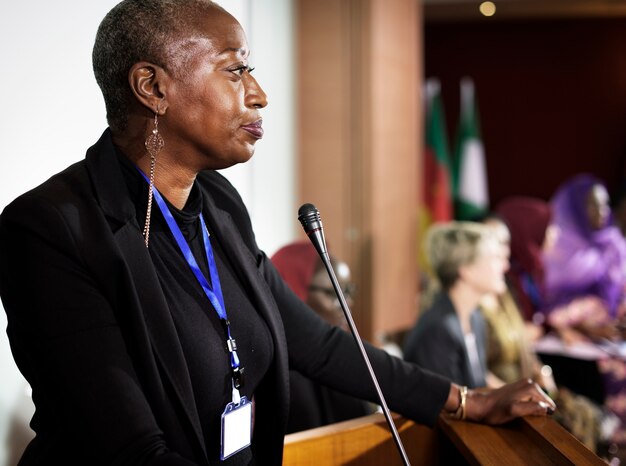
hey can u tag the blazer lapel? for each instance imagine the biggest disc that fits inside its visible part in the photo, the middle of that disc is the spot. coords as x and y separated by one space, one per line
456 329
112 195
158 319
244 263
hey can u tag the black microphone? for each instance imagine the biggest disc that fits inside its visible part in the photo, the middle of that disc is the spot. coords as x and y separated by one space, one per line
311 222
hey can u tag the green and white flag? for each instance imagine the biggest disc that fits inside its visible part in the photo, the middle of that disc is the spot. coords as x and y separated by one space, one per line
471 193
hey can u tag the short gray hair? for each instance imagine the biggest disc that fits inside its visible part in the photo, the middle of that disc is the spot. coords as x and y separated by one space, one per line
451 245
133 31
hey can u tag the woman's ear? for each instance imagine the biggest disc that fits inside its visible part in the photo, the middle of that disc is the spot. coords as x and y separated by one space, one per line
463 273
149 85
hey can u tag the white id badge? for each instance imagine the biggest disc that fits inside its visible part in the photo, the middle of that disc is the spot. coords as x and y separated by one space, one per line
236 427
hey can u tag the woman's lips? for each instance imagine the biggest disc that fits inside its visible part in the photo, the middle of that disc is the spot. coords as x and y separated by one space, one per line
255 129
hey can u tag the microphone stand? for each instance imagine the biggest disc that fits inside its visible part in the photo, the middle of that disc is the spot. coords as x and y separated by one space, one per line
314 231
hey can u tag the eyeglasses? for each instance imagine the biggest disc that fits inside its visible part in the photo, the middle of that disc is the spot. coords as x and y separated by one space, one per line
349 290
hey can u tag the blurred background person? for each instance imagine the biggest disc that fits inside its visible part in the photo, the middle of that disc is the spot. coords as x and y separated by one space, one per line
528 221
314 405
562 254
511 357
449 337
585 270
585 276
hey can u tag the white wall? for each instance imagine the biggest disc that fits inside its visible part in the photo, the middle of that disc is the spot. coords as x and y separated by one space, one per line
52 111
267 181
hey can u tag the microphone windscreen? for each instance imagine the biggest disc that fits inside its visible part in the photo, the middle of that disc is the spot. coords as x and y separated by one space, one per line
309 217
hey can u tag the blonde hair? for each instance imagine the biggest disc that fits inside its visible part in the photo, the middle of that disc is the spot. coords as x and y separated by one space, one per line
451 245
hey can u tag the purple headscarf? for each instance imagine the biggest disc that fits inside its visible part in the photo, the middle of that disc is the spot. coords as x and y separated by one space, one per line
584 261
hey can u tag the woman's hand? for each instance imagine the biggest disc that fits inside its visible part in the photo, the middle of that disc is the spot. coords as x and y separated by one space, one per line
588 310
521 398
545 379
607 331
571 336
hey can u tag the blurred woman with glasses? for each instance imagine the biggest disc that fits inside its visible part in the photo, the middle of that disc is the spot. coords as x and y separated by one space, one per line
313 405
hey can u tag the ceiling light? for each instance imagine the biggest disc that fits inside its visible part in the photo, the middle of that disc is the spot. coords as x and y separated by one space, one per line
488 8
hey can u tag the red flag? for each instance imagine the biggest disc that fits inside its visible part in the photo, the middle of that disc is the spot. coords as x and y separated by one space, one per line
436 176
436 181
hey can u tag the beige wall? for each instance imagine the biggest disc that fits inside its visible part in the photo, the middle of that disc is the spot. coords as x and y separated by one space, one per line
359 81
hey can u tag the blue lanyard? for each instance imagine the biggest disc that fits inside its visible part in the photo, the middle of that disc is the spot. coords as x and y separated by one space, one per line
214 293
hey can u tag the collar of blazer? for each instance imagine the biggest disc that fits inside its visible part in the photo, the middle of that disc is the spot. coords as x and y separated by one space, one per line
151 323
446 307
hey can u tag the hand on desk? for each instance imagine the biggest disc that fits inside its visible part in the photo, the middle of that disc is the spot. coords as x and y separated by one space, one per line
497 406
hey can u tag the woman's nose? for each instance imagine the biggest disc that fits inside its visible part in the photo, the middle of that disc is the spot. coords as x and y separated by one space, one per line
255 96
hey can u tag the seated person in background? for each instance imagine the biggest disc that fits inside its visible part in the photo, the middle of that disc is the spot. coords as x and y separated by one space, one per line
449 336
585 276
313 405
511 357
534 235
528 220
585 270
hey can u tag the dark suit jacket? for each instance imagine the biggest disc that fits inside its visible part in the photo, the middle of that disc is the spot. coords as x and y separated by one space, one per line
90 329
436 343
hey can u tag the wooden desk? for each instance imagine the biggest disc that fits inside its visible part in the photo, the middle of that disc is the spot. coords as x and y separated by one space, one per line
367 442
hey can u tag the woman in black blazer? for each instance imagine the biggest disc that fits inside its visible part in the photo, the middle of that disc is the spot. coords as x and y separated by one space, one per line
449 338
140 308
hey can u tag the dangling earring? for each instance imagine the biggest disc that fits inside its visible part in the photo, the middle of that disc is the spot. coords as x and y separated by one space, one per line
154 143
